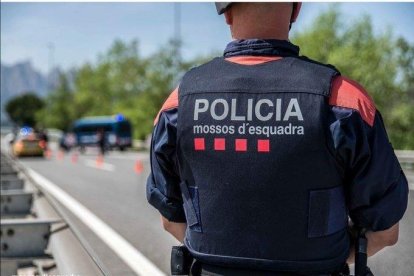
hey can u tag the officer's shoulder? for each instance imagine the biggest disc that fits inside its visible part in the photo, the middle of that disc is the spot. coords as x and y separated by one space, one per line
203 66
347 93
192 78
303 60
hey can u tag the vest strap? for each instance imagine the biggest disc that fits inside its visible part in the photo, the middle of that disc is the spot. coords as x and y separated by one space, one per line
191 204
327 212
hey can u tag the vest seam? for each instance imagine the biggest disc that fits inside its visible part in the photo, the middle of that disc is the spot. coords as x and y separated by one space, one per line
258 64
332 151
252 93
358 112
331 148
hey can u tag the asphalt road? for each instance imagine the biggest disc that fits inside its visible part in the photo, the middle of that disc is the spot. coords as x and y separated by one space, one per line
115 192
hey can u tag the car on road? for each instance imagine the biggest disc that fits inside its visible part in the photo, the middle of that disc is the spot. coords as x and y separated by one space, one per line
28 143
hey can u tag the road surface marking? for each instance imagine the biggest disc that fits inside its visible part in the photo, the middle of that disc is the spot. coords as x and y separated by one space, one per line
129 254
128 156
102 166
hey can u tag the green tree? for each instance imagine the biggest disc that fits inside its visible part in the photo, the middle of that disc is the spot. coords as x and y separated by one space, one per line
59 108
161 75
378 61
401 117
163 72
120 81
22 109
117 77
123 82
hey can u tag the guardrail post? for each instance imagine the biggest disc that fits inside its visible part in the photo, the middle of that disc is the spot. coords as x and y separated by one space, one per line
22 240
11 183
15 203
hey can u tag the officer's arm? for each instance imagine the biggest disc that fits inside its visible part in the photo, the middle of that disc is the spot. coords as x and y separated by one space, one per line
376 187
174 228
377 241
163 189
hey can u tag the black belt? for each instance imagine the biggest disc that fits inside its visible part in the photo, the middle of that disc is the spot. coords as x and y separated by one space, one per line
202 269
182 263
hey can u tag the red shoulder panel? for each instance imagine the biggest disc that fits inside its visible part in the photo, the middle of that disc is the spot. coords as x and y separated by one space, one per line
349 94
251 60
170 103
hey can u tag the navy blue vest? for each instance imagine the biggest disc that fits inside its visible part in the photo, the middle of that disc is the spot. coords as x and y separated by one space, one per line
261 186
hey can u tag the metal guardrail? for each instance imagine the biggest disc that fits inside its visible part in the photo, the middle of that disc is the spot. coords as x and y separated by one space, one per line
76 232
68 221
406 158
23 239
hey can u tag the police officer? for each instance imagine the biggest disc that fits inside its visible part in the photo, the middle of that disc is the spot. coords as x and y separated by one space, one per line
262 159
100 134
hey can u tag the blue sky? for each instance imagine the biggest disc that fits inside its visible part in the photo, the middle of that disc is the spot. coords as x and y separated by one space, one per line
80 31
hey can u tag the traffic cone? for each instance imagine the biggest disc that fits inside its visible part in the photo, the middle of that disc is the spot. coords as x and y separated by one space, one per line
60 155
74 158
139 167
48 154
99 161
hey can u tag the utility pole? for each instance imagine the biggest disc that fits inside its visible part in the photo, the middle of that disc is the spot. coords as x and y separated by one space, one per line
177 31
50 63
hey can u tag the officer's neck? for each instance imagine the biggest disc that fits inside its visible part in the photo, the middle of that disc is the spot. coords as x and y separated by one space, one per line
260 34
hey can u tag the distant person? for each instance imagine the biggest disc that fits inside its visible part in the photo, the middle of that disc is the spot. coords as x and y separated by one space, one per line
70 140
260 157
62 144
43 135
67 141
101 140
14 134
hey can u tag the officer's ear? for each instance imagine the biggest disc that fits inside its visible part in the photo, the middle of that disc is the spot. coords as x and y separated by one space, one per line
295 11
229 16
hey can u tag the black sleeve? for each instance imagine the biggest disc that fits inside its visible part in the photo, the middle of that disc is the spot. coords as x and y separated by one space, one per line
376 187
163 190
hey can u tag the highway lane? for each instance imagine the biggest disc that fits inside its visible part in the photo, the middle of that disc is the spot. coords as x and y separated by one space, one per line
116 194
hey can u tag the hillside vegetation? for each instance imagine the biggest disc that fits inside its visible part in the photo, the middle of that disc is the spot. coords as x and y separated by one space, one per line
122 81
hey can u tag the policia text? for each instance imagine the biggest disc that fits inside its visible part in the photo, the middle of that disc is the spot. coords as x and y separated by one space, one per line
255 113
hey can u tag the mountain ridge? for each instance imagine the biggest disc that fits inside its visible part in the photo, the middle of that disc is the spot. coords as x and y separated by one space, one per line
20 78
